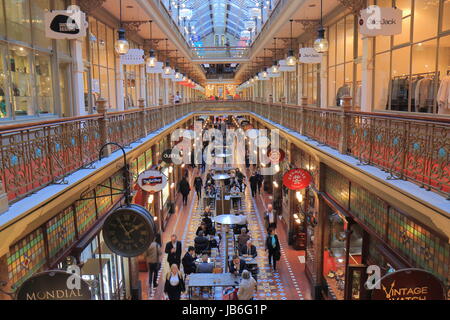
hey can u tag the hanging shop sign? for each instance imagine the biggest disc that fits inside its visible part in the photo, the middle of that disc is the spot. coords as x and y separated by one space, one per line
65 24
276 156
297 179
310 55
129 230
54 285
409 284
167 156
133 57
152 181
378 21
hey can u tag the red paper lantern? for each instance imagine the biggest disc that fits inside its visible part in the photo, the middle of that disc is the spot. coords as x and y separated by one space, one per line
297 179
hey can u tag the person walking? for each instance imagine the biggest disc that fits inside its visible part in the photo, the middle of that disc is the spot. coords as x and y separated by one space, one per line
184 189
273 248
270 218
174 284
153 259
177 98
198 184
173 250
254 184
260 180
247 287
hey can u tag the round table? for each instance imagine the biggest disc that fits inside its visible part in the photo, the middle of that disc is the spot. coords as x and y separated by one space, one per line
227 219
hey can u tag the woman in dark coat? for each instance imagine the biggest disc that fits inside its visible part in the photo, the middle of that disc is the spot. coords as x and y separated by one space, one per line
174 284
184 189
273 248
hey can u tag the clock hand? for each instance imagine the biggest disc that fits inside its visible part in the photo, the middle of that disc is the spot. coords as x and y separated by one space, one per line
124 229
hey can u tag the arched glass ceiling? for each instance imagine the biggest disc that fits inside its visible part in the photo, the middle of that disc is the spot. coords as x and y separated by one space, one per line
199 18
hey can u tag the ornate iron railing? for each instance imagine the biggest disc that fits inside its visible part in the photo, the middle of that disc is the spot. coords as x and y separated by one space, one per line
408 147
35 155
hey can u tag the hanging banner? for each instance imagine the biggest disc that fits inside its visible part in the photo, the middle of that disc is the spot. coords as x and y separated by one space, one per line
310 55
54 285
409 284
152 181
65 24
378 21
158 68
133 57
297 179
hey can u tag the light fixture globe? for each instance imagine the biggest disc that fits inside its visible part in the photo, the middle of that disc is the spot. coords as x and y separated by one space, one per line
122 46
264 73
167 68
151 59
291 60
321 44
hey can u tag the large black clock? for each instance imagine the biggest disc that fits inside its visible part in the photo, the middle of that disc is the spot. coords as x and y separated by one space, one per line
129 230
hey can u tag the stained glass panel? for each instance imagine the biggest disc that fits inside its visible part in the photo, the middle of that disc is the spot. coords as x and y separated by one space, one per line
60 232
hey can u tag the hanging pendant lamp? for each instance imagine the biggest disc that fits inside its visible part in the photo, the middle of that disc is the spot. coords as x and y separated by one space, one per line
321 44
122 46
291 59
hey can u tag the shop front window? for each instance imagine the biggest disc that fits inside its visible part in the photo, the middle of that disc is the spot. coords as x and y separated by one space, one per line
410 67
18 20
44 88
21 86
38 8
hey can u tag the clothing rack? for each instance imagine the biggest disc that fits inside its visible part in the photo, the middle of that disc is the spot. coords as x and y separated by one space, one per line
436 73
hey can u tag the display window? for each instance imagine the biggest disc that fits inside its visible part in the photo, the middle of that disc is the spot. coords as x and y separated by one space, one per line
310 77
341 61
411 67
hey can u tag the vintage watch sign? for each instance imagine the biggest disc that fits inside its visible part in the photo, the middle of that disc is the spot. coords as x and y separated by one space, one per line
65 24
297 179
310 55
152 181
379 21
409 284
54 285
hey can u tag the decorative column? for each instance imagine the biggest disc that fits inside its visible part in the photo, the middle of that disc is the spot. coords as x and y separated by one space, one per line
344 121
120 85
324 81
142 117
103 125
367 75
77 78
4 205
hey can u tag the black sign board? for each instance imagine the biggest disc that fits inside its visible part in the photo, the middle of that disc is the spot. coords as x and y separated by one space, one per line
53 285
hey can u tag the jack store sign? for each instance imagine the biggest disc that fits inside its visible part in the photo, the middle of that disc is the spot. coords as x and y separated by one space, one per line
378 21
310 55
65 24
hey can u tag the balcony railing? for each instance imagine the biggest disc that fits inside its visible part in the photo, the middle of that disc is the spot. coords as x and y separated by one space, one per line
407 147
35 155
219 52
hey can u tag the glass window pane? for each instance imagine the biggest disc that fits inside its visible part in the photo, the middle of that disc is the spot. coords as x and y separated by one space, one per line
446 16
20 69
101 33
112 88
349 37
424 57
382 74
104 89
400 83
44 90
332 41
5 111
110 47
340 81
38 9
332 87
94 40
426 13
405 36
444 65
340 40
404 5
2 21
18 20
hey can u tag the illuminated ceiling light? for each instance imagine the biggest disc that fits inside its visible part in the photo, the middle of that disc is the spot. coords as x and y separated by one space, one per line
167 69
122 46
291 59
321 44
151 59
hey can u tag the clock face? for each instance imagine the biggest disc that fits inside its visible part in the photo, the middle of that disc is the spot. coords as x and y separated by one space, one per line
128 233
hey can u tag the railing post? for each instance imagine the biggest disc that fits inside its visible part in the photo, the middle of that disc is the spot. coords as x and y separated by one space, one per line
302 112
143 123
345 123
160 101
103 125
4 205
283 103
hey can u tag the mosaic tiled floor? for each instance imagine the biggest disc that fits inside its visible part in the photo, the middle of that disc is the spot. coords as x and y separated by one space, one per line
271 285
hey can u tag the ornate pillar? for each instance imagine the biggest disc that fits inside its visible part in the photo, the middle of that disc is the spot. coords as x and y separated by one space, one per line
344 121
103 125
367 75
142 117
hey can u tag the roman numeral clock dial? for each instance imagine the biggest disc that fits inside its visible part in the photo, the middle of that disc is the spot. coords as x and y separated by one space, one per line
129 231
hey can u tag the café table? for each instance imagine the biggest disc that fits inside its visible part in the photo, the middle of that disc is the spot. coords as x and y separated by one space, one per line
212 280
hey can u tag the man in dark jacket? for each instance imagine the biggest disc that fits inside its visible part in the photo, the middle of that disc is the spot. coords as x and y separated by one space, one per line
189 265
237 265
260 180
249 249
173 250
198 184
184 189
201 243
254 184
